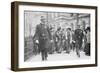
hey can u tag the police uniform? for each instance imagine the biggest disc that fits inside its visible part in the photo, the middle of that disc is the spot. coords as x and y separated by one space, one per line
44 37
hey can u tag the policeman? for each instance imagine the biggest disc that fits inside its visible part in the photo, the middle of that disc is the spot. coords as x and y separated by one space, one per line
44 37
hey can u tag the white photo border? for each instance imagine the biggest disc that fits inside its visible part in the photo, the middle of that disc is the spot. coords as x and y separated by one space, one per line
23 64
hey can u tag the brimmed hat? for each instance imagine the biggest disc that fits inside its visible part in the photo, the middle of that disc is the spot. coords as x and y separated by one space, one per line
88 29
68 28
42 18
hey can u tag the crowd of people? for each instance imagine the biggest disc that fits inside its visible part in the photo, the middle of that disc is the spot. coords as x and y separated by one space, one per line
48 41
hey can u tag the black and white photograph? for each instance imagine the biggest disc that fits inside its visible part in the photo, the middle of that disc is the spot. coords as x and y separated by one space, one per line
53 36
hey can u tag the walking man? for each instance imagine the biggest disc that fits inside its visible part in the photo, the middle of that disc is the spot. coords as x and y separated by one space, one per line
78 40
44 37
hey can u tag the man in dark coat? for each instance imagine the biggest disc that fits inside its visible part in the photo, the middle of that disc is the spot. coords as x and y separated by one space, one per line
44 37
87 46
58 40
68 40
78 39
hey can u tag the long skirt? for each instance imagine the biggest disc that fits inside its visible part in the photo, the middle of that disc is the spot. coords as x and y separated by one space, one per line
87 49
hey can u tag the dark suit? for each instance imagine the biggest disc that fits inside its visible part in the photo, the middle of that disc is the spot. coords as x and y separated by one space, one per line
44 37
58 41
78 40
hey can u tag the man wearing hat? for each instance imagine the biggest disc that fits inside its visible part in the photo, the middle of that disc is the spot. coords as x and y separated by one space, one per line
87 46
44 36
78 39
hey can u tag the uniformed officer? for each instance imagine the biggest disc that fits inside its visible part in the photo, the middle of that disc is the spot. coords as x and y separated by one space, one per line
44 37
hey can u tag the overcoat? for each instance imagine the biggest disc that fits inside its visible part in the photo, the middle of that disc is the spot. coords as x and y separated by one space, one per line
43 35
79 37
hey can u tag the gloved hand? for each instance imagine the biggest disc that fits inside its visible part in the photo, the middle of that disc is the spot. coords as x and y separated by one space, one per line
36 41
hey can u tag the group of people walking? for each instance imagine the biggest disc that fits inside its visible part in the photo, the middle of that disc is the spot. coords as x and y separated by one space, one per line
48 41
